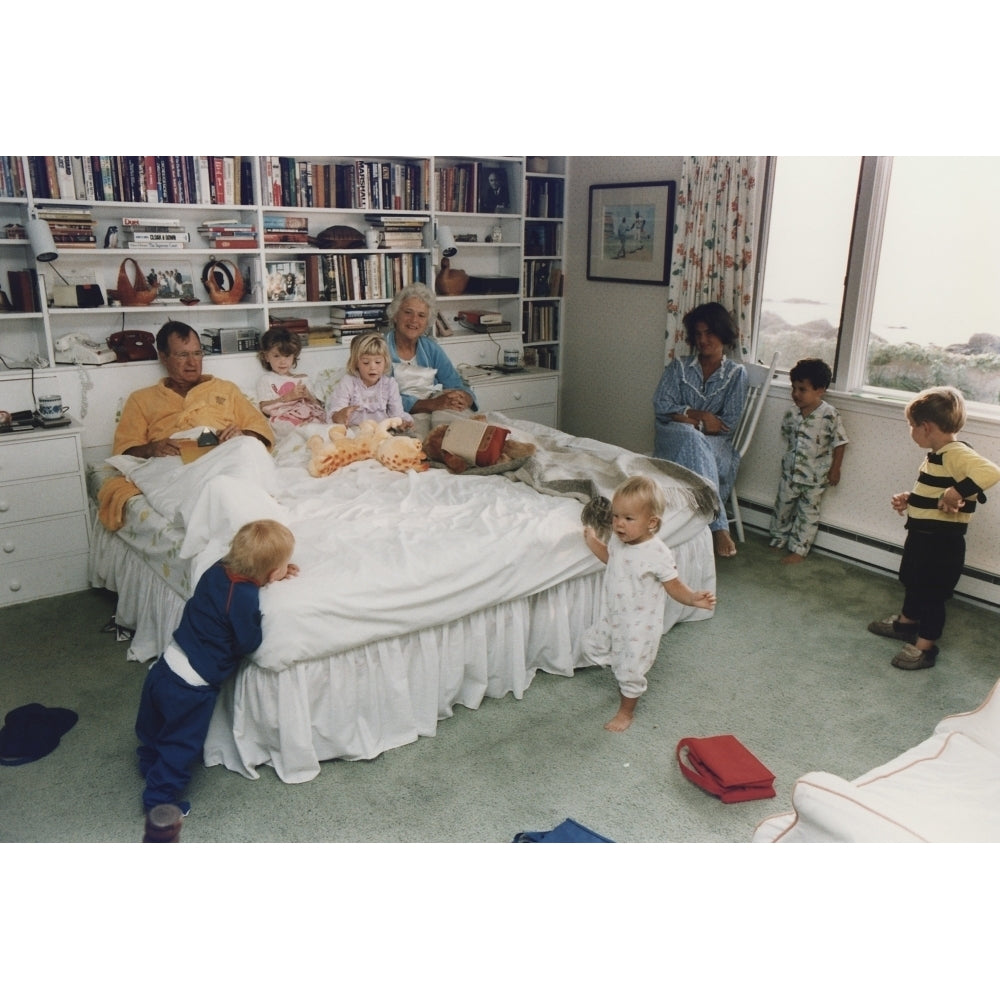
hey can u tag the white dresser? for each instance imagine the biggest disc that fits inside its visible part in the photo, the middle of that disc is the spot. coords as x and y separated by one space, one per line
44 518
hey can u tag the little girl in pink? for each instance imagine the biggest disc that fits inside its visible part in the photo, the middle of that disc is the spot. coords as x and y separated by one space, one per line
367 392
285 397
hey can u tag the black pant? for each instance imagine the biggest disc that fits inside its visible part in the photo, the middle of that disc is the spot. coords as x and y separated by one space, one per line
930 569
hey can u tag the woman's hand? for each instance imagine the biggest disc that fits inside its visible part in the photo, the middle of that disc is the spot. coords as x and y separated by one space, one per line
711 424
451 399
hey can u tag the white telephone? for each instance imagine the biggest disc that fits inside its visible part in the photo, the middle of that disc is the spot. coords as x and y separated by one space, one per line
75 349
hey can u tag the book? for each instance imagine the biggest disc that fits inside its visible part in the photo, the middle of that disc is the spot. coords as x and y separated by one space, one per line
226 243
480 317
153 222
158 239
485 327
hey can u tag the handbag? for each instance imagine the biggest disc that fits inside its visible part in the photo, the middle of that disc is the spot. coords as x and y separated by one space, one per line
724 767
133 345
134 291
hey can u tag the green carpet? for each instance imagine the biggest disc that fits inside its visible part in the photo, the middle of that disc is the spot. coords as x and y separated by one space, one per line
785 664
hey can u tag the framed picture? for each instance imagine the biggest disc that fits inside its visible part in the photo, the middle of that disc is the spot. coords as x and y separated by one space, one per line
173 280
631 230
494 195
286 281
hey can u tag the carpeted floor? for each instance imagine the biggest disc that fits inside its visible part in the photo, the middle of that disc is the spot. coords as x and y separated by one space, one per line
786 664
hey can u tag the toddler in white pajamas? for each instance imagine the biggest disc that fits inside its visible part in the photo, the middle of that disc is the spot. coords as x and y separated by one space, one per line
640 574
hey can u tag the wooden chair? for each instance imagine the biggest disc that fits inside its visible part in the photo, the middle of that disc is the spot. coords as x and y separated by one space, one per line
760 379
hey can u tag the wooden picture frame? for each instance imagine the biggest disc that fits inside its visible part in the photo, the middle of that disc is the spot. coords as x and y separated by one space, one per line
630 232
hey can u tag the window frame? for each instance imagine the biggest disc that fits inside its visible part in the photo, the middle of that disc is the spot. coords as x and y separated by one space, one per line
858 303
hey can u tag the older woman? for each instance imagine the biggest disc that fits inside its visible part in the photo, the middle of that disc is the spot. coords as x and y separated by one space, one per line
432 390
698 405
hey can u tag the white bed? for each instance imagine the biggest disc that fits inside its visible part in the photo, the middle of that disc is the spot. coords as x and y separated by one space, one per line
417 591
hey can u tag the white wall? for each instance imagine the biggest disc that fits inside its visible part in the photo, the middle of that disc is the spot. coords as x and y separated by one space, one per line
613 333
613 358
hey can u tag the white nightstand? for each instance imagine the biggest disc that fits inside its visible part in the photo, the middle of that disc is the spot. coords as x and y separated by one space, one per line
44 519
530 394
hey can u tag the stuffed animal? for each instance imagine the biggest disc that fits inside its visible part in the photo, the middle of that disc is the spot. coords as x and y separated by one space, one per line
464 444
371 440
596 514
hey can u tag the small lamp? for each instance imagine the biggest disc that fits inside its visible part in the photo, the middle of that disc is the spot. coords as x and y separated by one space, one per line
446 241
40 238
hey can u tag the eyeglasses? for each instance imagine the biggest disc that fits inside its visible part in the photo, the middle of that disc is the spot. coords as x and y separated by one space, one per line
188 354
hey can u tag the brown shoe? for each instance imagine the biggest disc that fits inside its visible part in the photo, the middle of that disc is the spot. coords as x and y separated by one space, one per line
911 658
890 628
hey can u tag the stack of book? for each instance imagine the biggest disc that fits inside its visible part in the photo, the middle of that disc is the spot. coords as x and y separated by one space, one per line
153 233
285 230
350 320
399 232
479 321
229 234
71 227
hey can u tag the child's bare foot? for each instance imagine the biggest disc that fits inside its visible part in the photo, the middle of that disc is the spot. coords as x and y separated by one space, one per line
623 717
792 557
724 544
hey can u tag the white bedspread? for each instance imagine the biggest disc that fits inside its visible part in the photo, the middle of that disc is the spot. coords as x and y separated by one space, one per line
383 553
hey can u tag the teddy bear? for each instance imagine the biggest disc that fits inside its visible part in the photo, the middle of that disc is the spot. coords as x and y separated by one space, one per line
371 440
462 444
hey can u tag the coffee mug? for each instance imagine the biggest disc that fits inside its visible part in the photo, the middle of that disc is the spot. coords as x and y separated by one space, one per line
511 358
50 407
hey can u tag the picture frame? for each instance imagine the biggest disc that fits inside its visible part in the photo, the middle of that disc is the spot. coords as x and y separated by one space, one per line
174 279
630 232
286 281
494 191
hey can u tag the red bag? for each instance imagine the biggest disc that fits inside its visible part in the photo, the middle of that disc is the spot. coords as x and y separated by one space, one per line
724 767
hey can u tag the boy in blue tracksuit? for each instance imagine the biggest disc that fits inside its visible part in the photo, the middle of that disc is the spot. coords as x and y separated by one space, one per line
220 624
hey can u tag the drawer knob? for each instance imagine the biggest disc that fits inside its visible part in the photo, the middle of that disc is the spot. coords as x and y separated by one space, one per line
517 395
8 547
4 506
15 585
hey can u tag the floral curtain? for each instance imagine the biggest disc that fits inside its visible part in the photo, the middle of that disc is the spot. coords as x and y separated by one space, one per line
713 255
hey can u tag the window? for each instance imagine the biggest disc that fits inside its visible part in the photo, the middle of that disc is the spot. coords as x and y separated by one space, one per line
889 274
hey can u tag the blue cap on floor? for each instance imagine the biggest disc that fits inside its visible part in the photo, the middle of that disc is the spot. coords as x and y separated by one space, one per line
32 732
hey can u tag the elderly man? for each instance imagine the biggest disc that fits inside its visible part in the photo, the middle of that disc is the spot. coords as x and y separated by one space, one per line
185 399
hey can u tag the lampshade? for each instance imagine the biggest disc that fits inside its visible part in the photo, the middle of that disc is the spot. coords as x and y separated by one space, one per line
40 238
446 242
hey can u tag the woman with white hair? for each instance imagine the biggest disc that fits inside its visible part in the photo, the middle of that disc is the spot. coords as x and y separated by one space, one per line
432 390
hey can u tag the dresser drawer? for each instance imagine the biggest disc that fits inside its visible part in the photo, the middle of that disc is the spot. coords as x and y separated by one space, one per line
509 392
38 458
42 498
43 539
27 581
479 349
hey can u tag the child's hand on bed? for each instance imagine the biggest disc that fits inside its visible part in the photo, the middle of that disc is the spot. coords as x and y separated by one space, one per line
283 573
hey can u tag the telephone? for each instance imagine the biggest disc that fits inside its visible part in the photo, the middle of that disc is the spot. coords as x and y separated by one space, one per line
75 349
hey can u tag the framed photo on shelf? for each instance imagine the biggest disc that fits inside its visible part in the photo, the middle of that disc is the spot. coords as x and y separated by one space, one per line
630 233
173 279
494 194
286 281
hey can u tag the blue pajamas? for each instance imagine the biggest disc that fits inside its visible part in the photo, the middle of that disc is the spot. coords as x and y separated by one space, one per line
171 725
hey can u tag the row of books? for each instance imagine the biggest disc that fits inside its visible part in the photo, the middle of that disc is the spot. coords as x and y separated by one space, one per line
183 180
369 184
12 177
541 322
356 277
155 233
70 227
24 295
542 278
541 239
472 187
544 197
541 357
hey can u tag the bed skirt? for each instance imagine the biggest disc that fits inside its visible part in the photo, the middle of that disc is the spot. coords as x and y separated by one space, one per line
359 703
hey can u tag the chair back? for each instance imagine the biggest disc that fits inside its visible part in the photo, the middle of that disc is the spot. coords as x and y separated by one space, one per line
760 380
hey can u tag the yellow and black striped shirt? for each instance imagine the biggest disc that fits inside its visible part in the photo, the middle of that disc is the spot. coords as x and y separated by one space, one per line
956 464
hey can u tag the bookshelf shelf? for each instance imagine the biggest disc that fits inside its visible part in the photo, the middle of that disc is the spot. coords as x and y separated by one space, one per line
477 198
